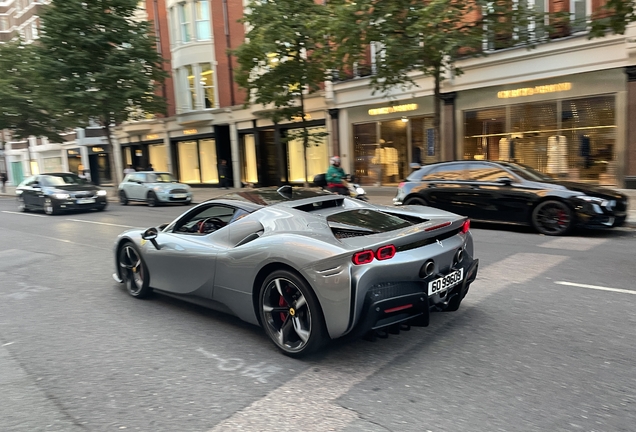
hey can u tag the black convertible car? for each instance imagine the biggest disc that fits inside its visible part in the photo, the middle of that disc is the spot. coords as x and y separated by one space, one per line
57 192
505 192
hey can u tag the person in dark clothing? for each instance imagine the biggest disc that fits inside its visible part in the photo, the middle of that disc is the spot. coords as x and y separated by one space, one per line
224 172
150 168
3 179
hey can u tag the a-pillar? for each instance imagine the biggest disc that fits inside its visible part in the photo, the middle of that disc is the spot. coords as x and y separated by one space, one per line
447 133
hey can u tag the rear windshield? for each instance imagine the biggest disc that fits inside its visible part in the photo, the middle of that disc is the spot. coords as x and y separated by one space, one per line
371 220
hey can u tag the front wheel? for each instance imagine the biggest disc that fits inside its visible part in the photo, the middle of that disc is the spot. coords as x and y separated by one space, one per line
552 218
133 271
290 314
152 199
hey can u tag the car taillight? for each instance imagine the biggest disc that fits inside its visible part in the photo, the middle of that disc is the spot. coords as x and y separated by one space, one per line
385 252
400 185
465 226
364 257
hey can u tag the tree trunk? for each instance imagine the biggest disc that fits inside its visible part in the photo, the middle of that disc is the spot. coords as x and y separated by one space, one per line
114 174
438 110
305 136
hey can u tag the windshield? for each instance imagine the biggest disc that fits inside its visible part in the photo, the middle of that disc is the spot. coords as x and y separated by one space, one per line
62 180
528 173
161 178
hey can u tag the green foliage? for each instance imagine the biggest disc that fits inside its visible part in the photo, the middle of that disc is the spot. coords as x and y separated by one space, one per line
25 106
101 63
613 17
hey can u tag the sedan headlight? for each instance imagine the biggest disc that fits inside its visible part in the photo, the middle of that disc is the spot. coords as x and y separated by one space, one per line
593 200
61 196
102 193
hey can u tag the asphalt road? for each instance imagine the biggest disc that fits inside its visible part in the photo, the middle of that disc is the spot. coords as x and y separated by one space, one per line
543 342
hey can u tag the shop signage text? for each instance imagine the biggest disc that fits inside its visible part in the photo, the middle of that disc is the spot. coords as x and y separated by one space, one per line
190 131
530 91
300 118
393 109
152 137
73 152
97 149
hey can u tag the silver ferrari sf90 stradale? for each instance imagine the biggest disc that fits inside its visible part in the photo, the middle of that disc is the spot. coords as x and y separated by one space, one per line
306 265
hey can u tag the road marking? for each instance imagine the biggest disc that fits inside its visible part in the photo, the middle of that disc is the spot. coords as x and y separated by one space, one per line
100 223
595 287
574 243
22 213
308 401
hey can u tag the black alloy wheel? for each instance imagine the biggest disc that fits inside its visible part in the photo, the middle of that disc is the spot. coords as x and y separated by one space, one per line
49 207
416 201
123 198
290 314
152 199
132 270
552 218
21 205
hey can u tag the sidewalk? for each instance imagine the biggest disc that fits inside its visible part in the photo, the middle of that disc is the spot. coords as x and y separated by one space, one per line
382 195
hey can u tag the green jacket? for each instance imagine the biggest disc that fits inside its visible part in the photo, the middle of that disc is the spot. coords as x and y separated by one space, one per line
335 175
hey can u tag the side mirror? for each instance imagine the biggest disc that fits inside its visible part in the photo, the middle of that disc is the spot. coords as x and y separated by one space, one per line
506 181
151 235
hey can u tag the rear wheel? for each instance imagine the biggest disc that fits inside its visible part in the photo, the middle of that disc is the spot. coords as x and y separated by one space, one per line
416 201
290 314
133 271
552 218
152 199
123 198
49 207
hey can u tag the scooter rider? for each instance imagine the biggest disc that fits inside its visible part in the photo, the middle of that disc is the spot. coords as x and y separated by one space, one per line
335 177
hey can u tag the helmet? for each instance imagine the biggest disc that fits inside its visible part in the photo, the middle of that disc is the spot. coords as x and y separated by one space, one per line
335 160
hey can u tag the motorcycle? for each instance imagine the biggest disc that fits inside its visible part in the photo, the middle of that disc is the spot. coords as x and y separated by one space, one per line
355 190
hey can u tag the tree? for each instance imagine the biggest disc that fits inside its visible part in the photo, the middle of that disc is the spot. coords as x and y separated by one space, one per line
614 16
25 108
284 58
102 63
427 37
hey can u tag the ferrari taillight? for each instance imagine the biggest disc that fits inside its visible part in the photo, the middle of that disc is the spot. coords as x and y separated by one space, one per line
465 226
364 257
385 252
434 227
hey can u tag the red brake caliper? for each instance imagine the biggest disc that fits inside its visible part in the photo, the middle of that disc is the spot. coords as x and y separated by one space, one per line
282 303
561 217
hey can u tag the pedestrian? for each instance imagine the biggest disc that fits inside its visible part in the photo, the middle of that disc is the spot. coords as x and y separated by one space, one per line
3 179
150 168
336 177
129 169
224 180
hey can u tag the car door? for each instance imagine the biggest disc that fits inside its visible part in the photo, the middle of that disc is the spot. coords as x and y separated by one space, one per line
135 188
28 194
186 259
497 194
445 186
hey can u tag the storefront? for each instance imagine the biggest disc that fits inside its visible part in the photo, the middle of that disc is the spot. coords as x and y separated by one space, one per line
99 164
197 154
388 138
74 158
568 127
50 161
152 152
276 154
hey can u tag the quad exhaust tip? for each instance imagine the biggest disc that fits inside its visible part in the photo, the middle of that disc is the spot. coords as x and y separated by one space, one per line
427 269
459 256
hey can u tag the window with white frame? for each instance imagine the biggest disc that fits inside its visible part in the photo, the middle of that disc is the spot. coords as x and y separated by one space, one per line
185 22
4 23
191 87
207 84
202 16
578 14
34 30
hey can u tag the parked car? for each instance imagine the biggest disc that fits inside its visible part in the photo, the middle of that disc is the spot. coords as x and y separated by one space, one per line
57 192
506 192
153 188
305 264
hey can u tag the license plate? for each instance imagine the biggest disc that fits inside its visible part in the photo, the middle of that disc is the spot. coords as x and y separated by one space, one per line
440 285
86 201
179 195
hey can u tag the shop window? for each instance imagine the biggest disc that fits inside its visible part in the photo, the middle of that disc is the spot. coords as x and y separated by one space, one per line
189 171
202 16
185 19
158 156
365 141
391 156
533 129
423 149
484 129
192 89
52 164
248 150
207 83
207 156
316 156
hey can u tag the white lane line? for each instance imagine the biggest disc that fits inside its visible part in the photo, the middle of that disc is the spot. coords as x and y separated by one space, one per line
22 213
574 243
100 223
595 287
308 402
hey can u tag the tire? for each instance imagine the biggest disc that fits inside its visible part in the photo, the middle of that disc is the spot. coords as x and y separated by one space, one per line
297 329
123 198
552 218
133 271
151 199
49 207
21 205
102 208
416 201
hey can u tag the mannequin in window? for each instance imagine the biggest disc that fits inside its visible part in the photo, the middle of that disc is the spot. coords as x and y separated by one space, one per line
557 155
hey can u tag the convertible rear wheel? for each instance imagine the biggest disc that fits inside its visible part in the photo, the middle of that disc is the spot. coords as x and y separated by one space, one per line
415 201
552 218
133 272
290 314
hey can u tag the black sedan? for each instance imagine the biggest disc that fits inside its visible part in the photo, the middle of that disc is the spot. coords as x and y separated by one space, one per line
56 192
505 192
